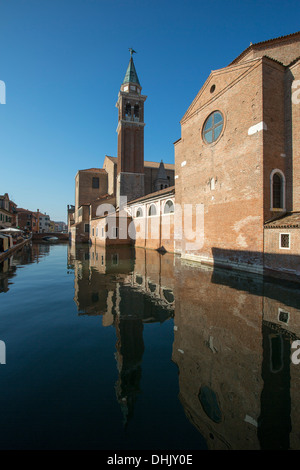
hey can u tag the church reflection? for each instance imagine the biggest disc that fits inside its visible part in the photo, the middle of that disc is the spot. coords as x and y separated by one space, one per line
128 289
232 345
232 340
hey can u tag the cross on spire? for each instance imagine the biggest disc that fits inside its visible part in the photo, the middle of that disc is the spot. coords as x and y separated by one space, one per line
131 75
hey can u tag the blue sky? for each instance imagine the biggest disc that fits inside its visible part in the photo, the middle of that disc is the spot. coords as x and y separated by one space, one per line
63 62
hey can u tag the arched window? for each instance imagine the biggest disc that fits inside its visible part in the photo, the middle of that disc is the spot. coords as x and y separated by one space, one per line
169 296
169 207
152 287
136 113
152 210
277 190
128 111
139 212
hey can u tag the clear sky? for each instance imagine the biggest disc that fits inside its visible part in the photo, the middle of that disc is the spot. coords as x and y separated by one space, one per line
63 62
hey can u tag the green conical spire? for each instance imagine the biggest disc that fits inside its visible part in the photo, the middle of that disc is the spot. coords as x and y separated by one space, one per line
131 75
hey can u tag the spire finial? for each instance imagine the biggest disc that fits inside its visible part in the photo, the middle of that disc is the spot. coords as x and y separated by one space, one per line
131 51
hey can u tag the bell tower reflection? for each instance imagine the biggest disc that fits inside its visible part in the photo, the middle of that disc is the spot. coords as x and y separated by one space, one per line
129 354
127 288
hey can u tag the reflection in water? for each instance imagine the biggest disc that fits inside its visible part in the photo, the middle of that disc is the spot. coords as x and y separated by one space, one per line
127 292
232 345
275 416
29 254
232 339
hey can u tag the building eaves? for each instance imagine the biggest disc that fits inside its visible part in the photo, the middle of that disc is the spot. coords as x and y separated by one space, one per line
20 209
273 60
168 166
289 220
161 192
95 170
5 211
147 164
262 43
294 62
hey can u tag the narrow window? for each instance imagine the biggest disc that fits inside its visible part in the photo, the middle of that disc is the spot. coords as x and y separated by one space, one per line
87 228
95 183
115 259
136 113
276 352
139 212
277 191
128 111
152 210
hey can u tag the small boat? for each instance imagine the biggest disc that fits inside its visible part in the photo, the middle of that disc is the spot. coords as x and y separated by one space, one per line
49 239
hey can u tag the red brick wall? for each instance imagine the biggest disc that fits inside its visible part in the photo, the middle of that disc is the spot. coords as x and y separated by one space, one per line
294 77
274 118
233 210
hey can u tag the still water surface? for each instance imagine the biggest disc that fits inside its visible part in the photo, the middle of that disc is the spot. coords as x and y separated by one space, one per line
122 350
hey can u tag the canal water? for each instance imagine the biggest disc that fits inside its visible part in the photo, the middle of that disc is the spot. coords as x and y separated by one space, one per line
120 349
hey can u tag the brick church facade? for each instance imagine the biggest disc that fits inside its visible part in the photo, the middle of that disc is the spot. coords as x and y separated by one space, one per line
237 164
239 156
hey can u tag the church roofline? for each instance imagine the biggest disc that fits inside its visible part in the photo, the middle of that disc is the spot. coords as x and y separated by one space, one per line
262 43
293 62
250 63
92 170
161 192
147 164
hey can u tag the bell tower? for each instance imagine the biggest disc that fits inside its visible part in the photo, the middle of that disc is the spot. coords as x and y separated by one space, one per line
130 168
